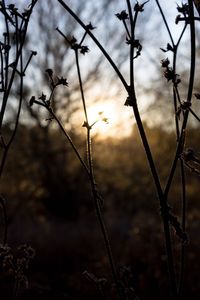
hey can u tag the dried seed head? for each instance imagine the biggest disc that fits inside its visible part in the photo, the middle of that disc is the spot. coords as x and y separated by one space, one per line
49 72
122 16
165 63
32 100
84 49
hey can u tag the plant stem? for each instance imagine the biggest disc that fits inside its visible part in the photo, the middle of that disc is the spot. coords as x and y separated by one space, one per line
183 224
162 199
68 138
73 14
10 83
165 22
95 193
189 98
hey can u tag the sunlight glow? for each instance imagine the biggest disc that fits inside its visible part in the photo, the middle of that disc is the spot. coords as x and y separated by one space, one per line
107 120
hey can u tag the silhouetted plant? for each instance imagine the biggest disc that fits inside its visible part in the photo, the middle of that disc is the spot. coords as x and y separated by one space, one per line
181 108
12 73
184 156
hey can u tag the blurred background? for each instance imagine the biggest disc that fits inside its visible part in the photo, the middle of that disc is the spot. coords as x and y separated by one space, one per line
48 198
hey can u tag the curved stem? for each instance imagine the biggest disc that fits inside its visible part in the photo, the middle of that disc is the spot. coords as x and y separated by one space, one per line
73 14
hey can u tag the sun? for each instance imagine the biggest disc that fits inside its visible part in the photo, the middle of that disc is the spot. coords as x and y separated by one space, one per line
101 118
109 120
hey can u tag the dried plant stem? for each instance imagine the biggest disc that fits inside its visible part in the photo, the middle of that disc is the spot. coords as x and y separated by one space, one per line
8 144
68 137
73 14
131 92
95 193
162 199
9 84
180 132
165 22
163 202
189 98
176 97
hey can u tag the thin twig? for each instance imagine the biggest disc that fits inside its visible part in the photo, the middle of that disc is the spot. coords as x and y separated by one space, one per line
93 185
162 199
73 14
165 22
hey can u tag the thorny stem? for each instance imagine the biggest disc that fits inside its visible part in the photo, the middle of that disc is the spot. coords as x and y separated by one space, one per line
100 216
81 87
95 193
